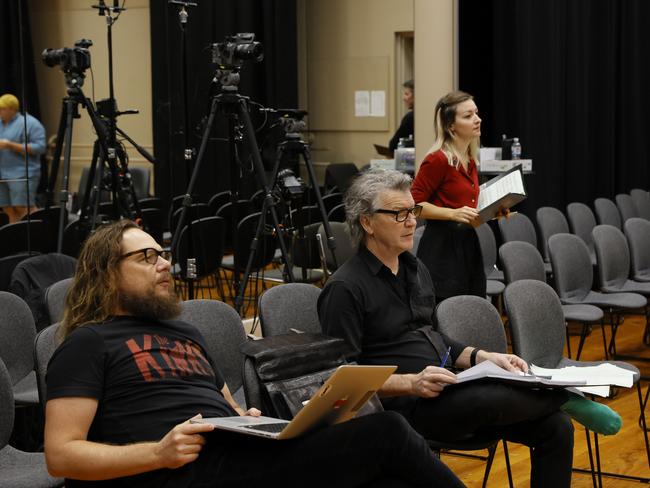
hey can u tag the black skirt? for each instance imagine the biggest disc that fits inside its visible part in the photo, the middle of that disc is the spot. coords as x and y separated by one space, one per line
452 253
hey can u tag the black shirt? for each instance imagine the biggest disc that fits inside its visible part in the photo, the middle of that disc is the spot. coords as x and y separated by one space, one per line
147 375
405 129
380 314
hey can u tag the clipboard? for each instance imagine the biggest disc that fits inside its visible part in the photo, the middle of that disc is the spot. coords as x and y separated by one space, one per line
501 192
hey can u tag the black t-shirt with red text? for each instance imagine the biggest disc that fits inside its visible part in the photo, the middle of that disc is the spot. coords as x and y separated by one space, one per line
147 375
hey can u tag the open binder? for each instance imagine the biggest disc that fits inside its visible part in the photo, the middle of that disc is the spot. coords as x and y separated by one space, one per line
501 192
487 370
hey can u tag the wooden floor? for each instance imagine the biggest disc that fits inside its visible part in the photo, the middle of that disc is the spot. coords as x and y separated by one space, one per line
622 453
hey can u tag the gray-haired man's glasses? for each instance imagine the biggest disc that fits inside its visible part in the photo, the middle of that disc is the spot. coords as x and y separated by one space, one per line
402 214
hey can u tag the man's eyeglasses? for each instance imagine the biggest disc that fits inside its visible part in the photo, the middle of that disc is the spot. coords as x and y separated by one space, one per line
403 214
150 255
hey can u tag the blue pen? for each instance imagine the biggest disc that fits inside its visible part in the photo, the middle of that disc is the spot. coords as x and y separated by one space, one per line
445 358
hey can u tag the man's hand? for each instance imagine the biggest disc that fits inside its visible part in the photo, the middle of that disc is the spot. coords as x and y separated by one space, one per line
4 144
429 382
182 444
508 362
253 412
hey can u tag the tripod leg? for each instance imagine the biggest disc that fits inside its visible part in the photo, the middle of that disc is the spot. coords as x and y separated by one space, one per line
63 194
58 149
331 242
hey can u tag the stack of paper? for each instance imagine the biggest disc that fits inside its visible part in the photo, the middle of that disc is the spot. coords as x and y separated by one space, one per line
598 378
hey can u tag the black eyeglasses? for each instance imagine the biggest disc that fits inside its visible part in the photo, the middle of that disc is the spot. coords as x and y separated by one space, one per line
150 254
402 214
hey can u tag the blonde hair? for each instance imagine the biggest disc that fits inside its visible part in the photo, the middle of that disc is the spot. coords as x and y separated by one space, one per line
93 295
445 116
9 101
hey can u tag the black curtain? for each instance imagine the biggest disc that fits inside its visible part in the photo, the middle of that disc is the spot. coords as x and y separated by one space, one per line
271 83
570 79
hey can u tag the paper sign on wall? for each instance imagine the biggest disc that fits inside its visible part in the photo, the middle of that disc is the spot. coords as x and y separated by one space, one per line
378 103
361 103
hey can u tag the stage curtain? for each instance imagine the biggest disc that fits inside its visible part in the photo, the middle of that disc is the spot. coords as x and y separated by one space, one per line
570 79
272 83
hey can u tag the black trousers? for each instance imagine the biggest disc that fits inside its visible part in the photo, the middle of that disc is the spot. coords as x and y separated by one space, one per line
526 416
377 450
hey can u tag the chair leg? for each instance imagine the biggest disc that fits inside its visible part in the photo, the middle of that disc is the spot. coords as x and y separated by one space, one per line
644 428
602 328
488 465
600 476
568 339
591 459
507 458
583 337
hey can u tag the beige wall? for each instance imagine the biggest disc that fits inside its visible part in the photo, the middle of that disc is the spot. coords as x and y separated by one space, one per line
59 23
365 29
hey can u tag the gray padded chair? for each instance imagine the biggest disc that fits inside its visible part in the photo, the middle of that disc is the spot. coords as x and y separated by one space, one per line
637 231
582 221
488 244
417 236
573 279
537 324
550 221
344 247
473 320
17 333
521 261
642 202
607 212
224 333
55 299
626 207
614 267
45 344
518 227
18 469
287 307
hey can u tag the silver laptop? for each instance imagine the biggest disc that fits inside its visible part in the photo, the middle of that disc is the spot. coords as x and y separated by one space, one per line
338 400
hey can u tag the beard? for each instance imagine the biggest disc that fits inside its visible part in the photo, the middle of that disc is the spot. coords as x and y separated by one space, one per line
149 304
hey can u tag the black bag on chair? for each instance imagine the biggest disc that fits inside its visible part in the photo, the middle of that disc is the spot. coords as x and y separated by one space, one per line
282 372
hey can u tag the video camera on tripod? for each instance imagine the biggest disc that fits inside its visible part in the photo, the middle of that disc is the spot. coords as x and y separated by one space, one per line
231 54
74 61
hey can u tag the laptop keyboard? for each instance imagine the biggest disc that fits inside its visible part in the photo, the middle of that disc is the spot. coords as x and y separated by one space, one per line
274 428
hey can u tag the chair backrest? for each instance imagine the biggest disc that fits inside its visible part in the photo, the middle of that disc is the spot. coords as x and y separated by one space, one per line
55 299
7 266
550 221
472 320
74 235
337 213
141 178
488 244
305 252
571 265
51 216
607 212
13 237
613 255
344 248
637 231
150 202
266 246
642 202
6 406
4 219
536 322
218 200
244 208
207 245
154 223
518 227
195 212
340 175
44 346
582 221
332 200
521 261
290 306
224 334
17 332
626 207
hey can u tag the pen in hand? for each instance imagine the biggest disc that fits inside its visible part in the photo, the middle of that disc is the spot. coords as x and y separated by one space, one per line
445 357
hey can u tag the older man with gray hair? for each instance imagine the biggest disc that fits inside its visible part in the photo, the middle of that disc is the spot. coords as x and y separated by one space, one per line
381 301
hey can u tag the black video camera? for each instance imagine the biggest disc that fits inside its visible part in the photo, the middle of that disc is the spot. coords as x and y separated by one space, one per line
292 119
291 186
232 52
71 59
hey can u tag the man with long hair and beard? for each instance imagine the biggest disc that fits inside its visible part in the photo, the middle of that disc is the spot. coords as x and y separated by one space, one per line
127 378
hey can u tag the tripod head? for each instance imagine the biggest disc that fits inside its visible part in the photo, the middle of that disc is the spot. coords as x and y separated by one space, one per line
230 55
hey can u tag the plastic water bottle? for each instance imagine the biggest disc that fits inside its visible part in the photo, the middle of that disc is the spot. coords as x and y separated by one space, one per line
516 149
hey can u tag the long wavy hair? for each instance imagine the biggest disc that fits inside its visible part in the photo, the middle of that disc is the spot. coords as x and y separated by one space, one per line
445 116
93 295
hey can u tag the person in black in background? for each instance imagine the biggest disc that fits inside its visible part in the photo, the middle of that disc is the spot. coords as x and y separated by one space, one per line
405 128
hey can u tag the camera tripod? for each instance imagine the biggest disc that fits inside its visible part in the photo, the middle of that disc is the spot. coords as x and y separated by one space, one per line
291 149
235 107
119 177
